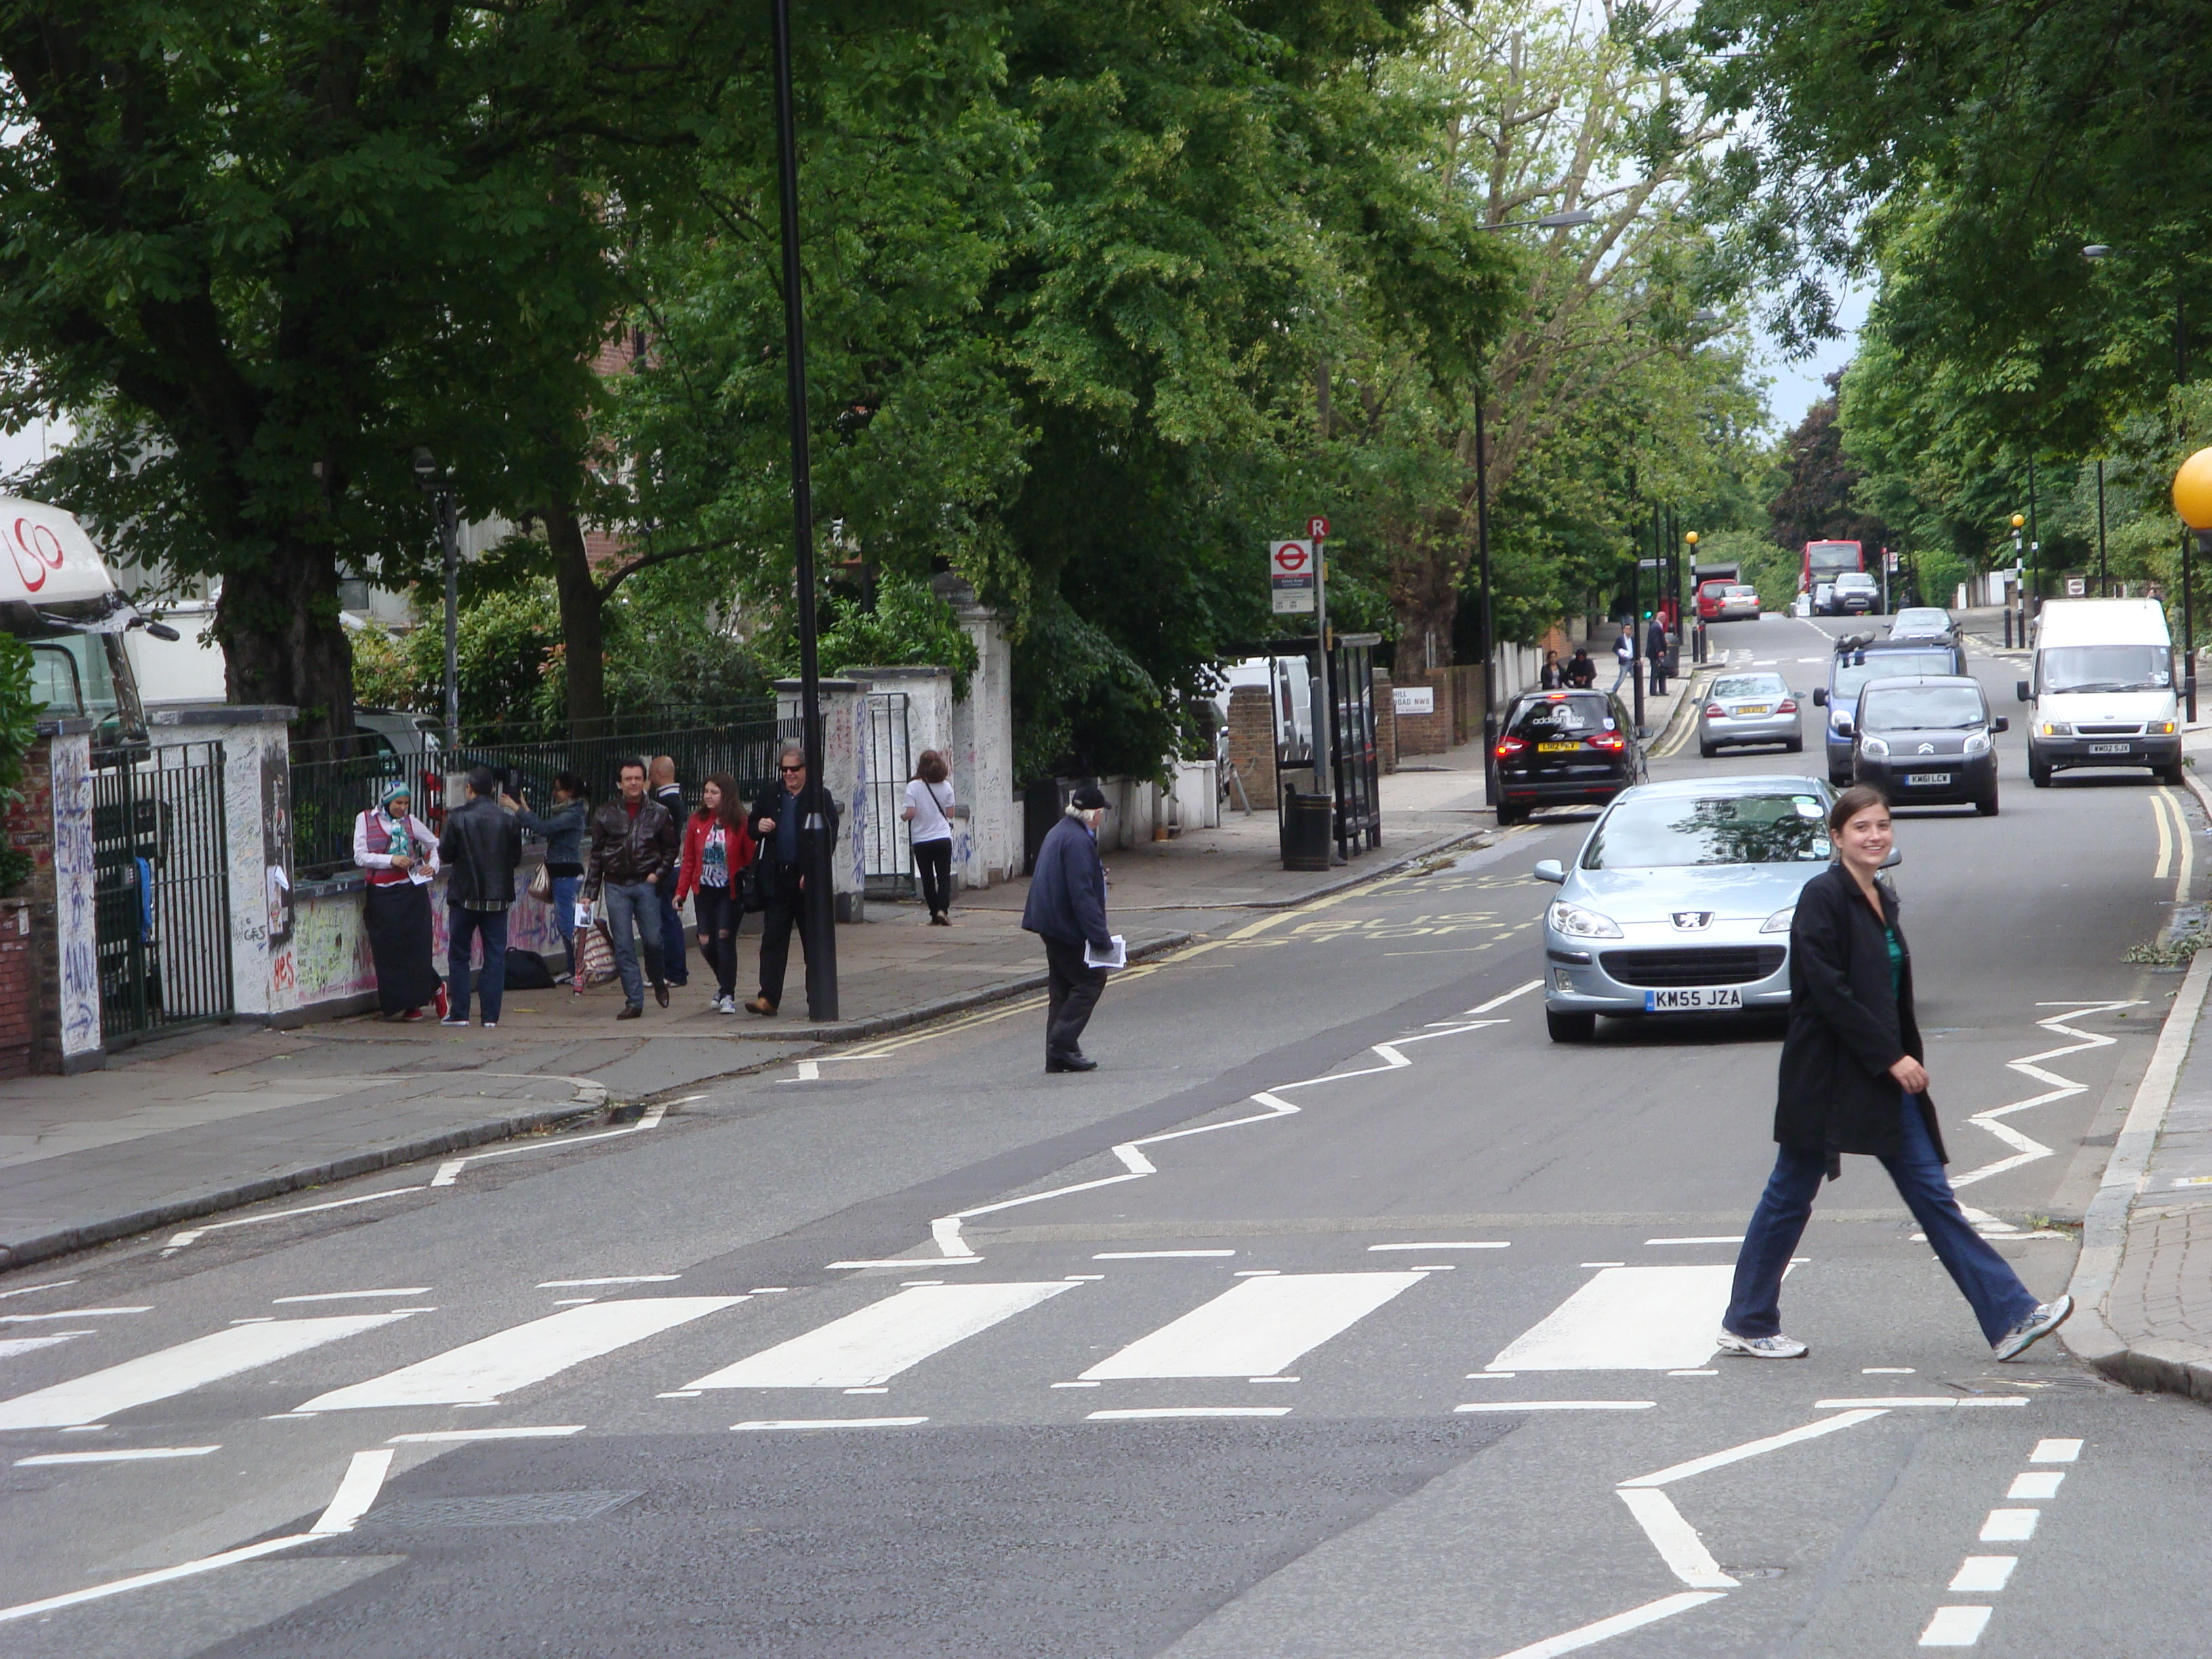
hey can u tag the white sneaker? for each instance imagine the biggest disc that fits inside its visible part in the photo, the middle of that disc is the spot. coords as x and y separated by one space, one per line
2047 1317
1776 1347
726 1004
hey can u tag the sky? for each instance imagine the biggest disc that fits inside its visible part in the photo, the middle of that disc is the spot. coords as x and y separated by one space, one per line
1797 386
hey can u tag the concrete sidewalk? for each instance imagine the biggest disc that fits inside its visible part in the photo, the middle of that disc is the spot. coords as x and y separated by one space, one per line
209 1121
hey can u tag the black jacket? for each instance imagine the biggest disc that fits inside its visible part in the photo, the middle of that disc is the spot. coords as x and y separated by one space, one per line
626 849
770 860
1067 888
479 848
1846 1030
1580 671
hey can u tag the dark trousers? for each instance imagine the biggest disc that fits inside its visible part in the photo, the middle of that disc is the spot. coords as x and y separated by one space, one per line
933 859
719 910
2000 1301
1073 995
777 920
462 924
674 964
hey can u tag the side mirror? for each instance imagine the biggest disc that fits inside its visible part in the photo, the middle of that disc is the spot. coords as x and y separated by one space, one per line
1550 870
163 631
1820 697
1843 729
2020 691
1894 858
2000 723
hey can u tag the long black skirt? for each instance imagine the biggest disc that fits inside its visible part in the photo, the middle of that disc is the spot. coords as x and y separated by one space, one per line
399 938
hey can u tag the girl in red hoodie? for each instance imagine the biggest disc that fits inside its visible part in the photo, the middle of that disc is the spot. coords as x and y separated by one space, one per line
717 847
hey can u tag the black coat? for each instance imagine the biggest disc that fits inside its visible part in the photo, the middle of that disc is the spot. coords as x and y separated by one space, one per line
770 805
1067 888
1846 1030
479 849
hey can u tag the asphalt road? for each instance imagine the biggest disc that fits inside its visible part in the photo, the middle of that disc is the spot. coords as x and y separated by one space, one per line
1340 1312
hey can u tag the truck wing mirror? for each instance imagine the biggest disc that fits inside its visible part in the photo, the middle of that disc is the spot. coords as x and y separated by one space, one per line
1820 697
2020 690
2000 724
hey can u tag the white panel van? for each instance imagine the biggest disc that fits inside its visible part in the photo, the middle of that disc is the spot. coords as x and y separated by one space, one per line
56 597
2103 689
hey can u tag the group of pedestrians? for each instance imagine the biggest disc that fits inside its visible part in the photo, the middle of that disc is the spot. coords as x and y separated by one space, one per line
634 861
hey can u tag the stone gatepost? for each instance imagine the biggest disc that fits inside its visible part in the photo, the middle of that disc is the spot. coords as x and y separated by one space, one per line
982 743
844 774
52 822
929 706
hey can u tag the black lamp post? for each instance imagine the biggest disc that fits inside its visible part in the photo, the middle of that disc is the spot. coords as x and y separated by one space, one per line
818 911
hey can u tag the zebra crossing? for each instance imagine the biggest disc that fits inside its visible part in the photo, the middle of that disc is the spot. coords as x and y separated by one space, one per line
1615 1318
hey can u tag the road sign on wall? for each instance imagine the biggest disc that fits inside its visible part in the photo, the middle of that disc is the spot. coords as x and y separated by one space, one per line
1290 572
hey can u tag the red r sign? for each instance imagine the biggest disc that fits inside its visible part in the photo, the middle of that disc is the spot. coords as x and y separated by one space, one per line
1316 529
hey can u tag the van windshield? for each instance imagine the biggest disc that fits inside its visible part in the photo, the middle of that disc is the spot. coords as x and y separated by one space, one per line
2106 668
1921 709
1888 665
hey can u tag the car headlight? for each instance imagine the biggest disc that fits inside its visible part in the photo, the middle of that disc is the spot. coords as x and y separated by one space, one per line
1873 748
1978 743
1577 923
2162 728
2057 729
1780 921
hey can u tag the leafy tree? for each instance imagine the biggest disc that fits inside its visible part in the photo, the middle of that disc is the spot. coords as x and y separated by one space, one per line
20 709
1816 500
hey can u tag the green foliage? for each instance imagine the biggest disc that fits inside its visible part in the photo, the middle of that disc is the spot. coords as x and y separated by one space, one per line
910 626
19 730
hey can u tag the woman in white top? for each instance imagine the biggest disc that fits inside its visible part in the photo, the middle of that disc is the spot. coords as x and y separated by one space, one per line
928 812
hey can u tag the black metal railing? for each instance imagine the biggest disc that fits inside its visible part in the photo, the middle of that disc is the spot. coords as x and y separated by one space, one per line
162 918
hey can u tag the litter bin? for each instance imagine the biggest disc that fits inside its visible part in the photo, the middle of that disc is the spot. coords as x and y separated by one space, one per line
1306 831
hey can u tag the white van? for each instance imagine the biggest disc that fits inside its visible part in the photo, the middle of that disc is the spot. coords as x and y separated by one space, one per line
1288 682
2103 690
56 597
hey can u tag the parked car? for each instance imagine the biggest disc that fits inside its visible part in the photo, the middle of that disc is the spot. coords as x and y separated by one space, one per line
1824 594
1924 622
1564 748
1855 594
1680 901
1858 660
1741 708
1928 740
1732 602
2104 689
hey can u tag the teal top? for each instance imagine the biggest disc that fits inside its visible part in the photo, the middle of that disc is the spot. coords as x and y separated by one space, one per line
1896 961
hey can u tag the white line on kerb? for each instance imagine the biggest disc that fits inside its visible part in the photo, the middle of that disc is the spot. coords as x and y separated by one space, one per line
1500 1001
364 1479
1588 1636
1677 1541
2026 1150
449 1171
1752 1449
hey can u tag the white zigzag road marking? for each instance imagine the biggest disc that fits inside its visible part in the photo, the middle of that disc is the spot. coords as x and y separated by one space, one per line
945 1232
2027 1150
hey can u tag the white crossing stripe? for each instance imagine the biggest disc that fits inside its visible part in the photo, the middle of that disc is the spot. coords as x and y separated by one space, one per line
1257 1327
1954 1628
2009 1526
131 1455
1984 1574
2055 1451
99 1396
873 1346
478 1373
1628 1319
12 1346
2032 1483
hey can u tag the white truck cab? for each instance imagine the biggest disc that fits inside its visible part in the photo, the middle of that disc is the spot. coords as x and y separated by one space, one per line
56 597
2103 689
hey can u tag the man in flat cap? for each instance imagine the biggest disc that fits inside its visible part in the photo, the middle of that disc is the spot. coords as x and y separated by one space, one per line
1067 908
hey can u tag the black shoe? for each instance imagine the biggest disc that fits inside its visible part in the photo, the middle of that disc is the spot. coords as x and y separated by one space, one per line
1069 1063
660 992
631 1010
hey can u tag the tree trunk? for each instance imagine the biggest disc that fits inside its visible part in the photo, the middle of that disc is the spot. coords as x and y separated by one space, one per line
1425 572
583 624
283 642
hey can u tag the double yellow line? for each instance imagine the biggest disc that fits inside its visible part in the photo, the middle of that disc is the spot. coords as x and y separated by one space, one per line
2177 848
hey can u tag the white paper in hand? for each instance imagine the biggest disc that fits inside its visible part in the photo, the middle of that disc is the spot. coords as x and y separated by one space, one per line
1117 957
583 912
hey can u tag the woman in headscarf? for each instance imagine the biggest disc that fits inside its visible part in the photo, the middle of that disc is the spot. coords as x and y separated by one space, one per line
400 852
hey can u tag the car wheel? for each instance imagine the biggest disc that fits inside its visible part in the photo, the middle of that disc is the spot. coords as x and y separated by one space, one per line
1987 805
1794 746
1708 750
1510 815
1839 780
2039 773
2170 775
1570 1028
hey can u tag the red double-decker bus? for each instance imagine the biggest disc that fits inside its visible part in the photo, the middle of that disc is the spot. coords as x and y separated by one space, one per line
1826 561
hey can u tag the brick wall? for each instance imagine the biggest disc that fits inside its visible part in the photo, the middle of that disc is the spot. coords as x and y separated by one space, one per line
1252 745
1386 723
19 979
29 827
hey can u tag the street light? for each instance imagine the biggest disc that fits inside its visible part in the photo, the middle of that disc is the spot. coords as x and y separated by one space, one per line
2192 499
439 488
2017 521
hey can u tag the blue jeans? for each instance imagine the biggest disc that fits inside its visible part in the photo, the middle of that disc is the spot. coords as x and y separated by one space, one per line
2000 1301
1624 664
634 905
675 962
564 914
489 926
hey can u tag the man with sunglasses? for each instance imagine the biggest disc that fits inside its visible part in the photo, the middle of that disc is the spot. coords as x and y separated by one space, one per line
778 827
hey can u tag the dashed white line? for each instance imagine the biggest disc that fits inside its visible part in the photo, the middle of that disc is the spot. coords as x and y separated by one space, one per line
1983 1575
1154 1256
1558 1406
828 1423
1955 1627
1144 1414
2035 1484
2055 1451
1604 1630
456 1437
619 1278
131 1455
2009 1526
349 1296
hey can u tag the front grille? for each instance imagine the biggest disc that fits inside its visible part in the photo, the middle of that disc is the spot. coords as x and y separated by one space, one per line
1716 965
2110 730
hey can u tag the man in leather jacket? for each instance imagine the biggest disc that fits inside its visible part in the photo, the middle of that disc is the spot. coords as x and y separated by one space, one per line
634 844
778 825
480 847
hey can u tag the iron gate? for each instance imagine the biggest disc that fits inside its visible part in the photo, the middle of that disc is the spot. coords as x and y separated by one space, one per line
886 763
1353 764
160 892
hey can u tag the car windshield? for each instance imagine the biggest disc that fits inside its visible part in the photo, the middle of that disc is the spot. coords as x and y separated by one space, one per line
1853 579
2106 668
1564 717
1743 590
1921 622
1748 685
1887 665
1665 831
1921 709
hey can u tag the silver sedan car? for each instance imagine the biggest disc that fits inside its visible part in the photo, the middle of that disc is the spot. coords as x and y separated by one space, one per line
1680 901
1741 708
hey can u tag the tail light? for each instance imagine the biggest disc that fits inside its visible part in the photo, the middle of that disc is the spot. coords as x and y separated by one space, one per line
1508 747
1787 705
1612 742
1715 712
